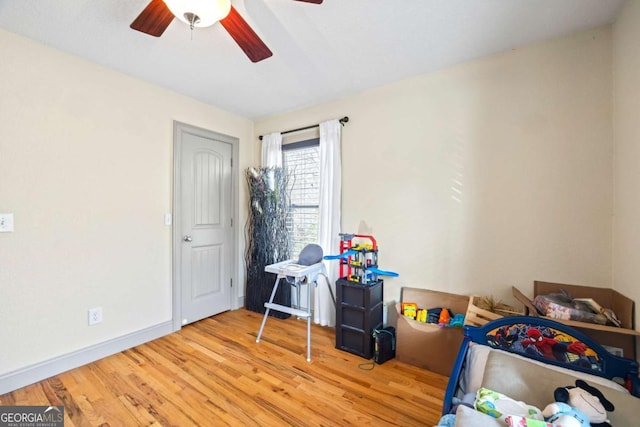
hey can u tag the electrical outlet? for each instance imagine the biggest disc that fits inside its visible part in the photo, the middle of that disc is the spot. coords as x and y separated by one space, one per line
6 222
95 316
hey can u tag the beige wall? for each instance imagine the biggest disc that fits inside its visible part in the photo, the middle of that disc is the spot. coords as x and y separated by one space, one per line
626 110
487 175
86 168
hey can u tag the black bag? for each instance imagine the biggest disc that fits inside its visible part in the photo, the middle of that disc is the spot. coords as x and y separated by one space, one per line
384 344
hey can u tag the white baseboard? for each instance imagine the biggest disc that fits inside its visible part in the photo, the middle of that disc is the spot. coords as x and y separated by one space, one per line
40 371
239 303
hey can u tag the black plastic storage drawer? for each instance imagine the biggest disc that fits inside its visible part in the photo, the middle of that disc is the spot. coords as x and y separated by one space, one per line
359 311
358 295
355 340
360 318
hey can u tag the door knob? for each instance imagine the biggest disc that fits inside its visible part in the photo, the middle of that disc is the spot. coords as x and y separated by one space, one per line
187 238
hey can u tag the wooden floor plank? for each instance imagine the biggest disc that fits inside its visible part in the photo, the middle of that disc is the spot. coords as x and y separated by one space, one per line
213 372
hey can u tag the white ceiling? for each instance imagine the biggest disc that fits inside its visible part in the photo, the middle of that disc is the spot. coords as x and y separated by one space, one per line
320 52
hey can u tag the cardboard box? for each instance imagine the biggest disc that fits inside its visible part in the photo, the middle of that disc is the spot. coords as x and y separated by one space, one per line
427 345
622 338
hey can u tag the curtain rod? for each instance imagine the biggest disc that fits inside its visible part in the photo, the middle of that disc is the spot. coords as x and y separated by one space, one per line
342 121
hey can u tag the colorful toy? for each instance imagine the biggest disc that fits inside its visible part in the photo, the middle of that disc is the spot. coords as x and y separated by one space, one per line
346 254
359 260
457 320
433 314
382 272
409 309
444 318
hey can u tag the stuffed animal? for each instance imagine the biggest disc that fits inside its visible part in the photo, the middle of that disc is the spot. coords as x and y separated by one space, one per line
448 420
565 415
587 399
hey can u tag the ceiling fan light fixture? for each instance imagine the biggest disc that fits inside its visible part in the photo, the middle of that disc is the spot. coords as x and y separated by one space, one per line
199 13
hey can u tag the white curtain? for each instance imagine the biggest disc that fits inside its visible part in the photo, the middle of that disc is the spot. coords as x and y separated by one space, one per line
324 311
272 150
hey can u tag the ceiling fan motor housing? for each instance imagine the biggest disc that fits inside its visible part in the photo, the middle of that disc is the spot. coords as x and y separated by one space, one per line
199 13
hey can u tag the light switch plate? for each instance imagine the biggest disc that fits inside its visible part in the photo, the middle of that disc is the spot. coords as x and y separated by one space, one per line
6 222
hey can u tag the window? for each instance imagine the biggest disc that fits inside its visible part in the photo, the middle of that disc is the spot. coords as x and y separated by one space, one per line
301 160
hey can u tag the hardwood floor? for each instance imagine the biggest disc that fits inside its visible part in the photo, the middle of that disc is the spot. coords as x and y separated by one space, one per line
213 373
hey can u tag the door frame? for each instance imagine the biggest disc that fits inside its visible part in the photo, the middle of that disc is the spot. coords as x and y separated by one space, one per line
179 129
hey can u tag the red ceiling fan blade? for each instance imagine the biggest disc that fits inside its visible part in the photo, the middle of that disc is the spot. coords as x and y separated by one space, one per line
312 1
154 19
246 38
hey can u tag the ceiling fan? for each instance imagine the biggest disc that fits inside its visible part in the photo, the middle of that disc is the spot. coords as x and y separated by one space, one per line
156 17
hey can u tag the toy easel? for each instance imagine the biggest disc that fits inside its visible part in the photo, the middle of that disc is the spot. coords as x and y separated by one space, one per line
299 273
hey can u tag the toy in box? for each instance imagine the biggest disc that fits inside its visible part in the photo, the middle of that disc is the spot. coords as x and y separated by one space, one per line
409 309
428 345
561 305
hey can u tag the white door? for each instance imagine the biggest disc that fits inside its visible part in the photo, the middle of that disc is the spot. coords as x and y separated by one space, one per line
205 243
